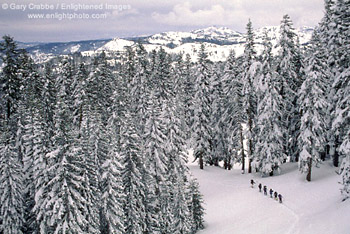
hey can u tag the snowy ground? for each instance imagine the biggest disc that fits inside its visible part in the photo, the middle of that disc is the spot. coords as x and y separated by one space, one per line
232 206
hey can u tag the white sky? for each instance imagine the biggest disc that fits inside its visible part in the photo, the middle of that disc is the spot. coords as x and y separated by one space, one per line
139 17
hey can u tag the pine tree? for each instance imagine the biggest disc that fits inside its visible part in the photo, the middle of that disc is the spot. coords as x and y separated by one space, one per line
313 102
218 134
202 128
187 92
340 61
91 173
11 200
250 69
48 98
28 142
40 171
64 193
339 40
101 85
345 168
289 69
177 212
195 206
327 37
9 79
156 164
268 149
88 125
11 177
112 196
142 82
134 188
131 153
323 34
232 118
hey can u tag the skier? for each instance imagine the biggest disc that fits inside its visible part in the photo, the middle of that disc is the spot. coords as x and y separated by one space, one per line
265 190
252 183
280 198
259 187
271 192
275 195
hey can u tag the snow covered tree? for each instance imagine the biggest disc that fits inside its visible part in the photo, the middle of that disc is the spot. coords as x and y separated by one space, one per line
328 43
232 118
161 76
250 71
112 194
9 79
156 164
11 176
32 136
313 103
323 35
268 153
218 134
91 138
289 69
187 92
339 40
134 188
34 166
202 128
138 73
48 99
345 168
63 195
131 152
177 212
195 206
339 62
11 188
101 84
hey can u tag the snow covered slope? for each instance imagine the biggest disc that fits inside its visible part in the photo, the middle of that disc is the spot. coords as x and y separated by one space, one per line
116 44
232 206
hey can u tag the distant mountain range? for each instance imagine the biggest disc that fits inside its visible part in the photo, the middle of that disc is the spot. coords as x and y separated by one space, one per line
218 40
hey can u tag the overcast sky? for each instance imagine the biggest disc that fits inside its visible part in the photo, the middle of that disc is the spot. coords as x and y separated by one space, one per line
124 18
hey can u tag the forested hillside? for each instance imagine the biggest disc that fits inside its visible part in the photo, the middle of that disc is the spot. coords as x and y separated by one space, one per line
89 144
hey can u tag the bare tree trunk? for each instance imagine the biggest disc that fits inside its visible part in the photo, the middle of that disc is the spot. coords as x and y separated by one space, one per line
250 166
250 122
335 154
216 162
201 164
336 159
243 156
308 176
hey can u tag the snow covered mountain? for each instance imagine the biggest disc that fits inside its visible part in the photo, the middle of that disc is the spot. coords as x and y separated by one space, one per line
218 40
214 35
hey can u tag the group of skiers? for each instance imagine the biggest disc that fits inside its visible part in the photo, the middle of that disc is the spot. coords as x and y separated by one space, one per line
275 195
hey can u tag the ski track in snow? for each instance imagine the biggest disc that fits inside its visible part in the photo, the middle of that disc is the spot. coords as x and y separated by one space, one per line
225 218
293 229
